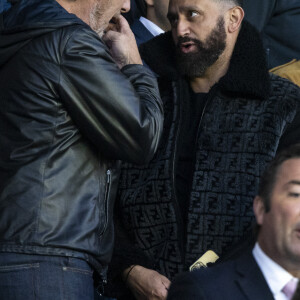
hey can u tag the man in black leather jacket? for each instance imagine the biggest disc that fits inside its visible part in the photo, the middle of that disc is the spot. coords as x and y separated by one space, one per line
71 107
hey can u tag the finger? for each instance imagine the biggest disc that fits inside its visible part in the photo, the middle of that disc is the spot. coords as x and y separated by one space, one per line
111 26
163 294
158 294
165 285
109 37
122 24
105 38
166 282
160 290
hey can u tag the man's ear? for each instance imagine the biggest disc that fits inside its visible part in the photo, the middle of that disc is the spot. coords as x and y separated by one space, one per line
259 210
235 16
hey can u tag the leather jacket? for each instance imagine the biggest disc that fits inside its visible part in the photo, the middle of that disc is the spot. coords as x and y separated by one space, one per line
67 116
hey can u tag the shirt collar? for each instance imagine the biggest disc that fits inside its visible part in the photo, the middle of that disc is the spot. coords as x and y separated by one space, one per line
275 275
153 28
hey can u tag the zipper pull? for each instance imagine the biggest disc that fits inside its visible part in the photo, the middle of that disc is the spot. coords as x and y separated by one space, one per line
100 287
108 174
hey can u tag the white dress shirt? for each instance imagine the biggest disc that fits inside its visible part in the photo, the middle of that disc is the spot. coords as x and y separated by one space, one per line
153 28
275 275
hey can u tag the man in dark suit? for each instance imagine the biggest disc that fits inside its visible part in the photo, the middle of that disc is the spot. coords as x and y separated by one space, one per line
148 18
238 279
272 269
278 22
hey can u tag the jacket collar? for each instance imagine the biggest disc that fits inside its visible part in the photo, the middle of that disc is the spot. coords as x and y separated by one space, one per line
251 280
24 15
29 19
247 74
142 34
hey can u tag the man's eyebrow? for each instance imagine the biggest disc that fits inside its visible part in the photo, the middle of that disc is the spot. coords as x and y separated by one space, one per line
173 15
189 7
293 182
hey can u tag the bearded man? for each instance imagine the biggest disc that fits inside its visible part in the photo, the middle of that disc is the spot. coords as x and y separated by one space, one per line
72 105
225 119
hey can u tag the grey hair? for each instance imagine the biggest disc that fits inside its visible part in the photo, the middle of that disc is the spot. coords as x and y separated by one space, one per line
234 2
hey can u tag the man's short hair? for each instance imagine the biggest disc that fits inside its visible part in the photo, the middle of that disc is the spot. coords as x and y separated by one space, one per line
234 2
142 6
269 176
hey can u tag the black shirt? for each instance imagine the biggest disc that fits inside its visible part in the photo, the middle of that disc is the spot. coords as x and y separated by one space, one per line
191 115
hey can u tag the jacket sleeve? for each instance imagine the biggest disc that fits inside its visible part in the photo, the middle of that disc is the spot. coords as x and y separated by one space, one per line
125 254
120 112
187 286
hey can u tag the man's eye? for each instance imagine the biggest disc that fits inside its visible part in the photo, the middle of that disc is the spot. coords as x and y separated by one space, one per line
294 195
193 14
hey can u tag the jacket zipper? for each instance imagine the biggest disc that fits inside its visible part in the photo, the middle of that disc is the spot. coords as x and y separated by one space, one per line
100 287
177 210
106 196
201 119
182 234
198 130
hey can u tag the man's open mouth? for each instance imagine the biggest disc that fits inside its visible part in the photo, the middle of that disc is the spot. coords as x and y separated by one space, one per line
187 47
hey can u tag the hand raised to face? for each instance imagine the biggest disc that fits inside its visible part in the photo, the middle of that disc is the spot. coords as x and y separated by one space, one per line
121 42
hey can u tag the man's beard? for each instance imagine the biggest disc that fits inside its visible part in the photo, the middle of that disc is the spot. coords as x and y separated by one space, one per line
195 64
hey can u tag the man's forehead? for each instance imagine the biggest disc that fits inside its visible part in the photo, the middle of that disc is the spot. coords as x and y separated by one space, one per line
289 172
183 5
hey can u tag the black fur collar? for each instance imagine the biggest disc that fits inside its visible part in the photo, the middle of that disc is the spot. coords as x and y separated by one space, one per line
247 74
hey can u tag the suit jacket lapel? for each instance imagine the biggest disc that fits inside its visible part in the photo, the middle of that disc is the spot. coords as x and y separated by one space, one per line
142 34
251 280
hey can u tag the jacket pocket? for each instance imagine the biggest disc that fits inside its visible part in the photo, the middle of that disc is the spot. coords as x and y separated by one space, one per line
106 199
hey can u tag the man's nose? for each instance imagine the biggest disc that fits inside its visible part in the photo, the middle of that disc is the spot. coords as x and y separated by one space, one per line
126 6
182 28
